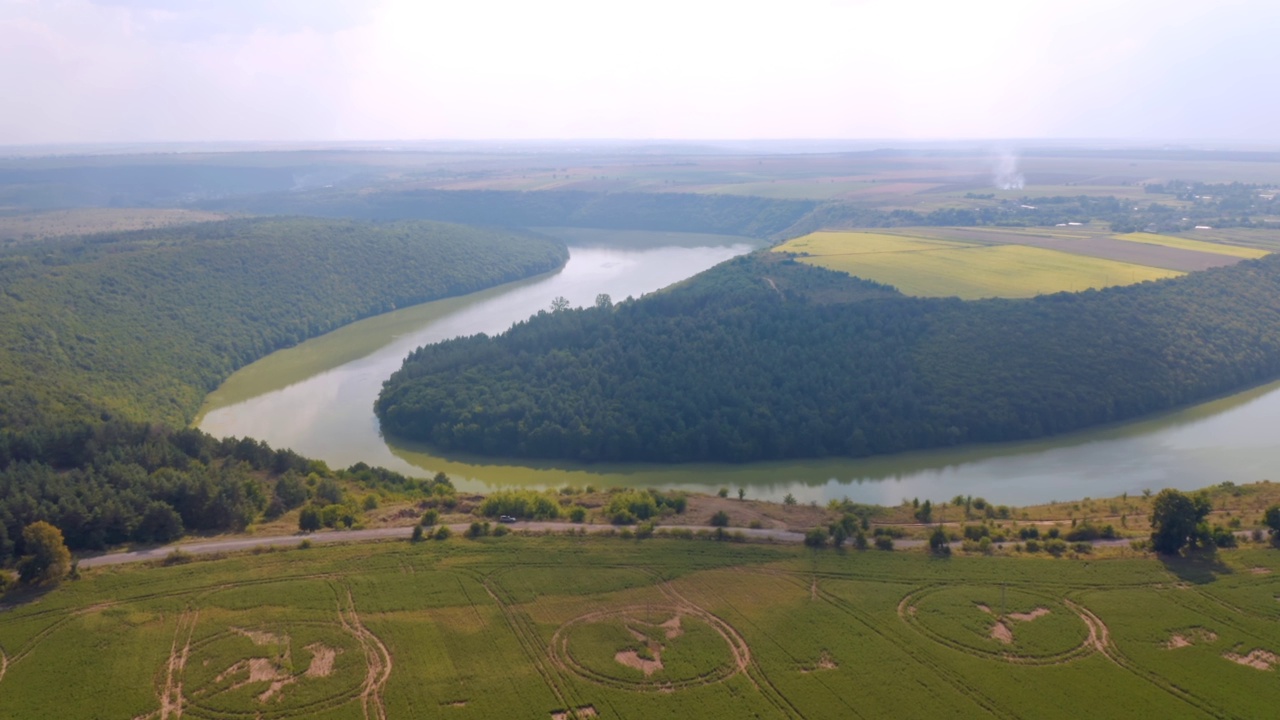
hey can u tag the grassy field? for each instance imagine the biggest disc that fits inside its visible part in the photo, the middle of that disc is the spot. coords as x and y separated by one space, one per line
940 268
563 627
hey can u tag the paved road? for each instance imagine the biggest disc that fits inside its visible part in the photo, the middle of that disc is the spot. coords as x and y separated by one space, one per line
332 536
339 536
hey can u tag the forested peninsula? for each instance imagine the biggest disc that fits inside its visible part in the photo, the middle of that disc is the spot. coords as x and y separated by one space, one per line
765 358
110 342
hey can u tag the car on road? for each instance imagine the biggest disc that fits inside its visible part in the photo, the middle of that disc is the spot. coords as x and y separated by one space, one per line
506 519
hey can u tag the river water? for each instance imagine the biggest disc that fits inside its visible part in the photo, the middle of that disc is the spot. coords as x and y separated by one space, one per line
317 398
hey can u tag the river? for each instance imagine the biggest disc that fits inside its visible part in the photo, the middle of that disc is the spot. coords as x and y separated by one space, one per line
317 398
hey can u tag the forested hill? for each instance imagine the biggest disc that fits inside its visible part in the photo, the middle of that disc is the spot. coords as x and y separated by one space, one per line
142 325
763 358
683 212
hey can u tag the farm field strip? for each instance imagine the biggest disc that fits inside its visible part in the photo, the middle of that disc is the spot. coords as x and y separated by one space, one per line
747 631
974 263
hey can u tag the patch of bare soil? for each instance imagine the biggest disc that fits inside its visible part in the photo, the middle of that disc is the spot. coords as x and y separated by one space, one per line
455 704
1028 617
378 661
672 628
1260 570
742 513
1259 659
825 662
322 657
984 609
262 638
1001 632
1187 638
632 659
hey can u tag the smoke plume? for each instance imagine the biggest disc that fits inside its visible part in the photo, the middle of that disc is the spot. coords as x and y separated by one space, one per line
1005 172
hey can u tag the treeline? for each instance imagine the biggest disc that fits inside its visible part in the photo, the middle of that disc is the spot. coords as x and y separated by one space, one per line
685 212
763 358
143 325
108 483
742 215
111 341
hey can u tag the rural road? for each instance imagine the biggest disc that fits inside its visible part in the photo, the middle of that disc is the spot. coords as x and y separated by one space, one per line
347 536
339 536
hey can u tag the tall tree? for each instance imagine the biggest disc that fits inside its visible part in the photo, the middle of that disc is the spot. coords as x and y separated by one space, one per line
1175 517
47 558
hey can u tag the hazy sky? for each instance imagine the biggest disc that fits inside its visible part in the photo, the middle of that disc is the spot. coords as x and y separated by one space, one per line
138 70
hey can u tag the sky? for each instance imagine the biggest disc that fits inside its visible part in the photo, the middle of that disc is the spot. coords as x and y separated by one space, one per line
92 71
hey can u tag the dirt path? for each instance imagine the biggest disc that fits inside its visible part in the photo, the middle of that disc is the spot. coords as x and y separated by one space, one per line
377 657
171 699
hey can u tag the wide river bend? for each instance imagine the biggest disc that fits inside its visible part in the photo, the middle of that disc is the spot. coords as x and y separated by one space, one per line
317 398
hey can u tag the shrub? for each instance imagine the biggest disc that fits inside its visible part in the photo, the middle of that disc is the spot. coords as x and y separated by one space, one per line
884 542
309 519
1032 545
1082 548
816 537
304 545
720 519
984 546
755 524
477 529
723 492
577 513
976 532
520 503
501 530
370 502
860 540
938 542
417 534
430 517
789 499
1029 533
1055 546
1222 537
442 533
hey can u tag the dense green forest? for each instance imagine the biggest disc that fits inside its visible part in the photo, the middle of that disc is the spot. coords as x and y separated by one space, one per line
111 341
763 358
144 324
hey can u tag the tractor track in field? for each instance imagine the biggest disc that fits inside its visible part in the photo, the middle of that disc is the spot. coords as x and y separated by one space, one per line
378 660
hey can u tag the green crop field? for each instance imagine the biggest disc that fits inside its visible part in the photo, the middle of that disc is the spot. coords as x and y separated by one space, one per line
564 627
941 268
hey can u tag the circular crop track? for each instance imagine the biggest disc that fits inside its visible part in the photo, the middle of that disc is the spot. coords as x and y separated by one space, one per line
275 671
650 648
1016 625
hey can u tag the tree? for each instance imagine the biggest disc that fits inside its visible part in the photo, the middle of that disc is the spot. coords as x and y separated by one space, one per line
160 523
603 301
1175 517
720 519
1271 518
789 499
816 538
309 519
925 512
559 303
47 558
939 543
742 493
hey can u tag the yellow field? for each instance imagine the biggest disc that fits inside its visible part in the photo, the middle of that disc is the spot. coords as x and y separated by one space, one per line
933 268
1196 245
